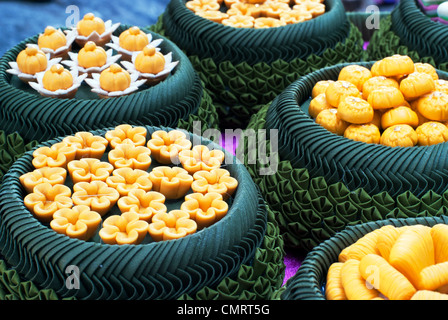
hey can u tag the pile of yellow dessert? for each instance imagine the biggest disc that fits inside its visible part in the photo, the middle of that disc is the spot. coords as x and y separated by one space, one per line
257 14
192 175
43 65
393 263
395 103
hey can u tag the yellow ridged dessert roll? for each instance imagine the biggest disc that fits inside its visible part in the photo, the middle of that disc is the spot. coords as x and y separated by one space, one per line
333 288
439 233
363 246
387 239
354 284
434 277
429 295
385 278
412 252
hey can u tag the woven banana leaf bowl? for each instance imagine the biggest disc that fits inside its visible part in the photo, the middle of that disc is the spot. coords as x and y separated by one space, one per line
35 117
309 282
149 270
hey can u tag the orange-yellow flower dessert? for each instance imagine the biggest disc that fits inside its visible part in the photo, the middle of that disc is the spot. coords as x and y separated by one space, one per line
165 146
172 182
97 195
205 209
200 157
126 179
57 155
89 169
51 175
123 229
87 144
145 204
130 156
46 199
215 180
171 225
77 222
126 133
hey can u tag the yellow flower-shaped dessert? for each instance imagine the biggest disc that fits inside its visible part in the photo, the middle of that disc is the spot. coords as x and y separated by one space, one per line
432 132
126 133
172 182
92 28
393 66
58 155
205 209
244 9
355 110
330 120
401 135
201 158
239 21
89 169
376 82
273 9
46 199
385 98
171 225
123 229
355 74
202 5
97 195
339 90
416 85
130 156
213 15
145 204
165 146
87 144
216 180
368 133
295 16
51 175
126 179
268 22
316 8
77 222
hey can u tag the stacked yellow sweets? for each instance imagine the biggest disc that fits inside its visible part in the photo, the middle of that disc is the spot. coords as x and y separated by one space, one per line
392 263
129 180
257 14
394 103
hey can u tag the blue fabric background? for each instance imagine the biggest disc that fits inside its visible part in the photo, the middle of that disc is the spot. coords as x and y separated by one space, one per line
23 19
